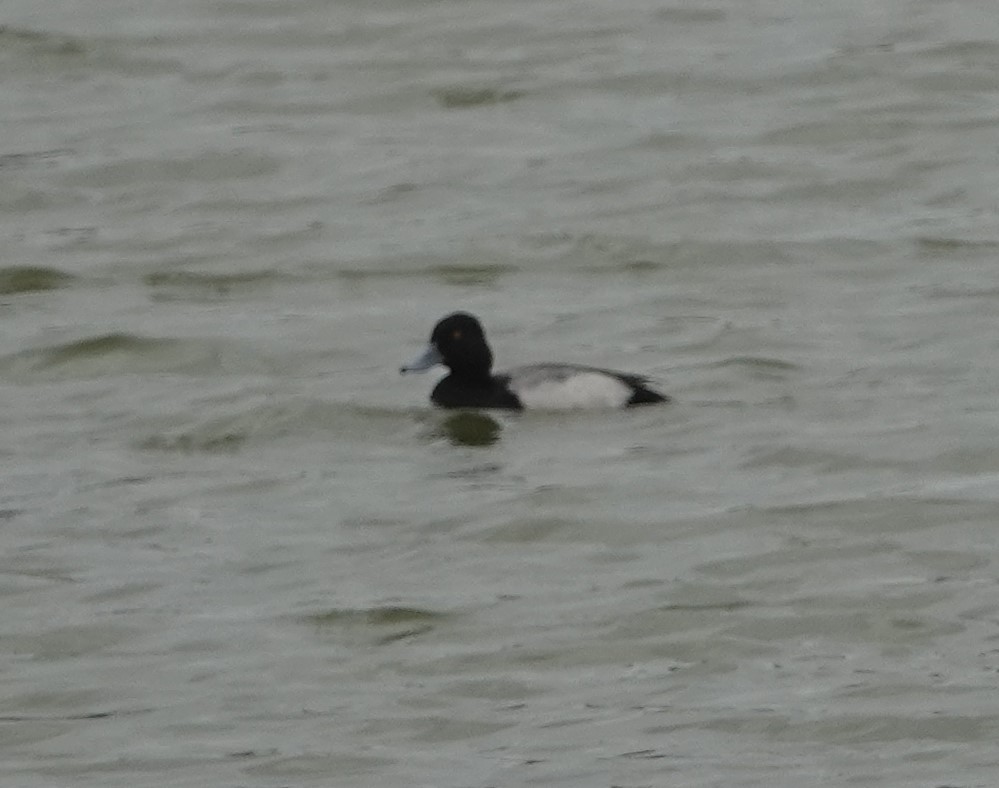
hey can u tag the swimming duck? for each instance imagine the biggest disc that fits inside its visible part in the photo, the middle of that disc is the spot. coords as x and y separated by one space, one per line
459 343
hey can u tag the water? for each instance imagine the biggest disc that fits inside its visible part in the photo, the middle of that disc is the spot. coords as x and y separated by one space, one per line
236 549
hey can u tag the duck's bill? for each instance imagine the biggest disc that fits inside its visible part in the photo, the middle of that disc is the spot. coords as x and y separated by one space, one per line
431 357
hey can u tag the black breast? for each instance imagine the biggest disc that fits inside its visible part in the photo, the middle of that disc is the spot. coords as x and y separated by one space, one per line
454 392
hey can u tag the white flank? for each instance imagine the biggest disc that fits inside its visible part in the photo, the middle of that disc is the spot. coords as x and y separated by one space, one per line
573 388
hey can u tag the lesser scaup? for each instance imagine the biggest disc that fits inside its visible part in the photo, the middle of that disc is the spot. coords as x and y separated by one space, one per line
459 343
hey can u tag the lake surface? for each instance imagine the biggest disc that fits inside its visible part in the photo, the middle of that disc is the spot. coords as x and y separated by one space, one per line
237 549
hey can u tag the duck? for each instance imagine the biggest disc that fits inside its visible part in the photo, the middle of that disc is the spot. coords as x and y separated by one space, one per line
458 342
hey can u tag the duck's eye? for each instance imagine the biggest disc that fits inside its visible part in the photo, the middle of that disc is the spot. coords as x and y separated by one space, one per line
456 334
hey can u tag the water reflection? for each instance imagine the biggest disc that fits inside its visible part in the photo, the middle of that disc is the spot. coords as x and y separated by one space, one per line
470 428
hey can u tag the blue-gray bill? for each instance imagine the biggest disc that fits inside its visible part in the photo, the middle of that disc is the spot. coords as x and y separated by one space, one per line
430 358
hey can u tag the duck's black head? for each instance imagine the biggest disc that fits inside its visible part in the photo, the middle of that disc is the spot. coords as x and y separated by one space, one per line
462 344
459 343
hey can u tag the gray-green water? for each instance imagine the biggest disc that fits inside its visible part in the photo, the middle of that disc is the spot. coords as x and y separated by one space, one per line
236 549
